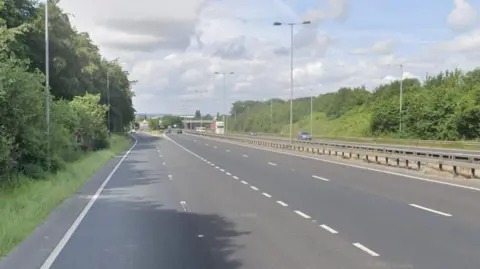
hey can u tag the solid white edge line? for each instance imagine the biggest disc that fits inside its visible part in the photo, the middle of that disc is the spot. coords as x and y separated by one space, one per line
272 164
66 237
302 214
364 168
267 195
244 182
324 226
321 178
184 206
282 203
367 250
431 210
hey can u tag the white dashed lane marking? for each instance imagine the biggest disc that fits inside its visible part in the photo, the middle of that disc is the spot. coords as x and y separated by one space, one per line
302 214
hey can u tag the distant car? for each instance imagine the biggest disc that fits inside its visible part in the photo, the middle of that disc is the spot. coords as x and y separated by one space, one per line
168 131
252 133
133 131
179 131
304 136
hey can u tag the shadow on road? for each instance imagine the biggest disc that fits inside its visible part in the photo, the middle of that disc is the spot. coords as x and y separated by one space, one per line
130 226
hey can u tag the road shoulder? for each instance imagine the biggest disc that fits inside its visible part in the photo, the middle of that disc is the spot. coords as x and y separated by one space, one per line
43 240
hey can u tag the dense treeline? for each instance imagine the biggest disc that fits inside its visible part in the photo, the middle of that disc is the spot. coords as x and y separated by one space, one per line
443 107
78 91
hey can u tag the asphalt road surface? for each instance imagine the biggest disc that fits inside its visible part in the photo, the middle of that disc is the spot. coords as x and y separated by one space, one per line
191 202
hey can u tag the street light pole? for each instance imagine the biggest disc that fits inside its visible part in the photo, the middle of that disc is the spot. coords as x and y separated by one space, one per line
201 118
291 24
47 82
401 95
108 101
311 114
271 115
224 95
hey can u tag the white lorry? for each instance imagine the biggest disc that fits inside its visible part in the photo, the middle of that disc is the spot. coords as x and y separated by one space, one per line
219 127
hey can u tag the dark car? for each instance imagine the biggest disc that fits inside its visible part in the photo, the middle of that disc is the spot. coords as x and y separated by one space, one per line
304 136
179 131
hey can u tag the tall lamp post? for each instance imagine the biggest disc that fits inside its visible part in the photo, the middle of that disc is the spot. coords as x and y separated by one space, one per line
47 83
224 94
291 24
201 94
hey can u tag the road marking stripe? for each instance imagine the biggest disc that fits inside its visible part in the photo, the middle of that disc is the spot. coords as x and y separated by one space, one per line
66 237
214 147
170 177
282 203
244 182
302 214
431 210
163 163
364 248
321 178
160 156
227 150
223 170
267 195
228 173
217 167
245 156
362 167
235 177
328 229
253 187
273 164
184 205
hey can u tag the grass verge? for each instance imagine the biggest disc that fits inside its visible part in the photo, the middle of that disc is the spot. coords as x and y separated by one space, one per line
27 204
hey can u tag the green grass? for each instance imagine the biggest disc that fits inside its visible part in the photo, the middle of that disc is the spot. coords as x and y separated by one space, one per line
354 123
24 206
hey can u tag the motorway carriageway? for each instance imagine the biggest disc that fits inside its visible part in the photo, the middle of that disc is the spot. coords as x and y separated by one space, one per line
191 202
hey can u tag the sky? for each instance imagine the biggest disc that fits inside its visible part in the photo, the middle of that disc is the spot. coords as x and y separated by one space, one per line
173 48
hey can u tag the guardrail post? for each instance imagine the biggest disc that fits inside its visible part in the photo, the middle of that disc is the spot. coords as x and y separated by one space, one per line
329 152
366 156
406 164
376 159
398 162
418 165
350 155
440 166
473 172
454 170
386 160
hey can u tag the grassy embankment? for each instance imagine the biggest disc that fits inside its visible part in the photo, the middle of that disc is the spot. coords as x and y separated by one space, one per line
354 127
26 204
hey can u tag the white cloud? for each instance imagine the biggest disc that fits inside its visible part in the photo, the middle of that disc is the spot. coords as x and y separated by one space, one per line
463 16
174 47
468 42
386 46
